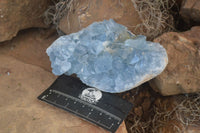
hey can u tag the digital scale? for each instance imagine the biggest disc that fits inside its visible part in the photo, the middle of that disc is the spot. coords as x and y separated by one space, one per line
100 108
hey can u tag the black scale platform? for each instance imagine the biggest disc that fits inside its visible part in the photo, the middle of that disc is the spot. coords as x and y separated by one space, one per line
103 109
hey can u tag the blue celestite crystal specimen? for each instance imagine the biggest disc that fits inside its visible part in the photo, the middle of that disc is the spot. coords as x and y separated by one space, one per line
107 56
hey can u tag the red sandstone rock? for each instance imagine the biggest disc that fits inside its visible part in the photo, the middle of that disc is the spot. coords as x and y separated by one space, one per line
190 10
182 74
85 13
16 15
30 47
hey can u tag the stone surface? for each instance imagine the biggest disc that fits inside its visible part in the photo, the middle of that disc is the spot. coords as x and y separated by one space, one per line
21 112
107 56
20 14
29 46
85 12
190 10
182 74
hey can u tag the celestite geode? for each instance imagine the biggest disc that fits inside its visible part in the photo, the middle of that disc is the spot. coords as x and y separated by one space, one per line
107 56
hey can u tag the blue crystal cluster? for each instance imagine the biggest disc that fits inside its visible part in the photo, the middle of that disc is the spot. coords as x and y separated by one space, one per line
107 56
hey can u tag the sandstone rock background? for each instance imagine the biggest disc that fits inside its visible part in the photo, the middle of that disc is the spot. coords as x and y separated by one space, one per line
141 17
182 74
85 13
190 10
25 71
17 15
30 47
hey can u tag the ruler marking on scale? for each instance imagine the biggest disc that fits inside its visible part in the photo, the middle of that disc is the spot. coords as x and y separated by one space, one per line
78 114
83 102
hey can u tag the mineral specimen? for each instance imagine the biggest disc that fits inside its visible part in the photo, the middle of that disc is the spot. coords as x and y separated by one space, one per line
107 56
